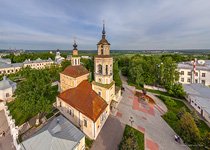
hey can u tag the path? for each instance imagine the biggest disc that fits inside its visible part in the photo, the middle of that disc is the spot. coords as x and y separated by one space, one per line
6 142
110 136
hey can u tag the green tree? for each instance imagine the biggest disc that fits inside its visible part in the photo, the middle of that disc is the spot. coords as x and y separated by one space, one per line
65 64
188 129
34 93
206 140
116 76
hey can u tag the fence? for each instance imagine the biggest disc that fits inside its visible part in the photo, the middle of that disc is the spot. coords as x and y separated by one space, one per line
13 128
154 88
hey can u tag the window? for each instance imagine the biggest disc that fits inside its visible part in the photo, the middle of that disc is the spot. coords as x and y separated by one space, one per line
203 82
106 69
182 79
189 80
203 75
192 101
7 94
99 93
71 112
182 72
196 73
196 80
199 107
189 73
85 123
195 104
100 69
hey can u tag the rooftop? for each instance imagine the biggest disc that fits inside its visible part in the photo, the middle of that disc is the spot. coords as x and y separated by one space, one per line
199 92
6 83
75 71
85 100
189 65
38 60
57 134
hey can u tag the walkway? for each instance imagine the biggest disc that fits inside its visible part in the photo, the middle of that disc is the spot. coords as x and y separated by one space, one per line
110 136
147 119
6 142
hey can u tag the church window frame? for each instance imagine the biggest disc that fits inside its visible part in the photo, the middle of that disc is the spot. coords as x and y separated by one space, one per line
100 69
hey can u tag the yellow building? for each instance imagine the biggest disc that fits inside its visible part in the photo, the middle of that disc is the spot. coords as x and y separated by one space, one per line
86 104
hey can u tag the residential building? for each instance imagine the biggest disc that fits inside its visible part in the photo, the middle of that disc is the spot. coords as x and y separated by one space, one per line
85 104
38 63
15 67
194 72
5 61
58 134
7 89
198 96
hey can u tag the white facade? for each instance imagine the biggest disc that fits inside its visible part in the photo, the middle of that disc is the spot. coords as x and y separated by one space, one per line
58 57
198 96
15 67
7 88
201 74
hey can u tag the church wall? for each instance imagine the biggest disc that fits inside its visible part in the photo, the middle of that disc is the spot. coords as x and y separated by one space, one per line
78 118
82 78
68 82
106 94
4 92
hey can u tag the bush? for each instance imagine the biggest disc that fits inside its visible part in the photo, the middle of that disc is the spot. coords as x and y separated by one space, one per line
171 116
132 139
124 71
188 129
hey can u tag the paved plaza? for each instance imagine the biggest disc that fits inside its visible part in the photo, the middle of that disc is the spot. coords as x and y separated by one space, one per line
5 141
110 136
147 119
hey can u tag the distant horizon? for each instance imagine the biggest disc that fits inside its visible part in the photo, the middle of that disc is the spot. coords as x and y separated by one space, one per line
110 49
145 24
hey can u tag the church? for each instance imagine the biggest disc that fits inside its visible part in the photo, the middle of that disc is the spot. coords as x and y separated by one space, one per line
88 104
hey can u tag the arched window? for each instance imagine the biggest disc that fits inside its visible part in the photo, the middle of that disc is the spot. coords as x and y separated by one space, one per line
106 69
100 69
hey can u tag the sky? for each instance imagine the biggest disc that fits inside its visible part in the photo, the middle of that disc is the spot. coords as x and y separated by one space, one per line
130 24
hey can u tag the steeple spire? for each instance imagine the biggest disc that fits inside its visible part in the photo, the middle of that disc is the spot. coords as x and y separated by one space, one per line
75 44
103 31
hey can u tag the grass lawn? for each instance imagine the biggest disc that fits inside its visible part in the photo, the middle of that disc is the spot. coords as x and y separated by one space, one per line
171 116
138 135
21 117
88 143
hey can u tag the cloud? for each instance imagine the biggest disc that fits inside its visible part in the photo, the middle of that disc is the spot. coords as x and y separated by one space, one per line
136 24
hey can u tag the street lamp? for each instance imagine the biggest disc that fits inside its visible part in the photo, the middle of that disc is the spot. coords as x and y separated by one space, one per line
131 120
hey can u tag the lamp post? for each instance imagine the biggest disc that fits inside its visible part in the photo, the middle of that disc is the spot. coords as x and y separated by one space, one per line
131 120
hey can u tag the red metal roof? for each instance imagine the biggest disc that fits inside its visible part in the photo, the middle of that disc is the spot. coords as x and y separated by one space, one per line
85 100
75 71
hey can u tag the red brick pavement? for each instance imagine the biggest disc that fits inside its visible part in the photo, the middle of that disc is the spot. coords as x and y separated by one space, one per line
119 114
151 145
141 129
143 107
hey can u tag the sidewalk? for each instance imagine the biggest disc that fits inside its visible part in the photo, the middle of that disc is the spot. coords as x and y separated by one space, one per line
6 142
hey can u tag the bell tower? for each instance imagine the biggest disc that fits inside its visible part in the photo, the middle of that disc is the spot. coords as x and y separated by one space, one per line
75 59
103 82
